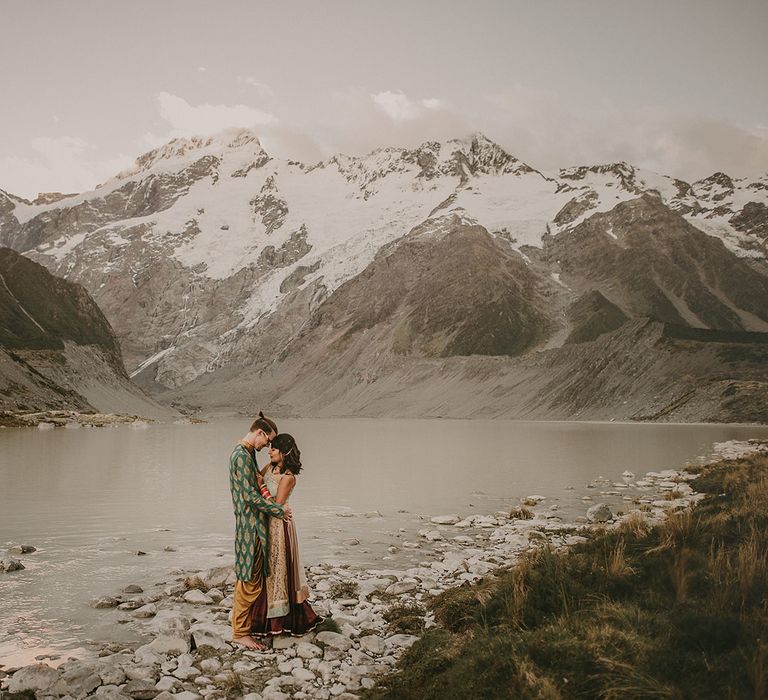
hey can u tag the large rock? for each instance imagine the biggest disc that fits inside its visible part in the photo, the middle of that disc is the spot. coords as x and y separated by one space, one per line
37 677
401 640
599 513
197 597
446 519
22 549
104 602
334 640
170 622
172 629
400 587
145 611
210 634
141 689
140 671
172 644
373 644
11 565
110 669
167 683
78 678
218 577
305 650
303 674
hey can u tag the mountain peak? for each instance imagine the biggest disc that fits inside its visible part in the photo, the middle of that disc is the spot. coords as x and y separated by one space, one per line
477 143
718 178
182 147
483 155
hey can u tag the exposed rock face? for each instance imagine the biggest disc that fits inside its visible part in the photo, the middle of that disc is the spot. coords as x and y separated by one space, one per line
40 311
650 262
434 303
591 315
752 220
57 350
208 257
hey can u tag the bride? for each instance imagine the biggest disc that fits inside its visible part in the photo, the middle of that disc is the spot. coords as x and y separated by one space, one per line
282 605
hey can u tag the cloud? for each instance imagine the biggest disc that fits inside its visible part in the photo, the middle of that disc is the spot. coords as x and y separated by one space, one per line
547 132
399 107
290 143
263 91
534 124
358 122
189 120
61 164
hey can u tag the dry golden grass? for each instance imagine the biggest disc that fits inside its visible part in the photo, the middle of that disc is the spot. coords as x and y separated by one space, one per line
677 530
520 513
634 524
673 611
617 565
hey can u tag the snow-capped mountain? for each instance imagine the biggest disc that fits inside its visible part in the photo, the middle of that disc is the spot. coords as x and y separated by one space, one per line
208 255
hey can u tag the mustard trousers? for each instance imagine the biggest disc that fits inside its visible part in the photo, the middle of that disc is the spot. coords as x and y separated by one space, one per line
246 593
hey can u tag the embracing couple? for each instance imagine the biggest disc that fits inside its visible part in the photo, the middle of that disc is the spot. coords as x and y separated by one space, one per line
271 591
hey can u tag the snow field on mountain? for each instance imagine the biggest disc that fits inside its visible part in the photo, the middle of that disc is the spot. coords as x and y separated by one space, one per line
345 230
522 204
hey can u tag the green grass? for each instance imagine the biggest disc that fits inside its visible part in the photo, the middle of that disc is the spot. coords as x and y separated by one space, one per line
675 611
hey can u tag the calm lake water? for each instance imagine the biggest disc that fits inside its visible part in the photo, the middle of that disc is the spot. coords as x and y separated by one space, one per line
88 499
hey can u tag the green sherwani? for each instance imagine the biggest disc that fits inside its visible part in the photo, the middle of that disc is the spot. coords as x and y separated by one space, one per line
251 511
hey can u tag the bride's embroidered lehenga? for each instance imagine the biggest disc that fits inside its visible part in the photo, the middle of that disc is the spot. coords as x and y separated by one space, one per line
283 604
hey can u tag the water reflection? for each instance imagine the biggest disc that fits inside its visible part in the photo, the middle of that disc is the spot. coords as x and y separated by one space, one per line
89 499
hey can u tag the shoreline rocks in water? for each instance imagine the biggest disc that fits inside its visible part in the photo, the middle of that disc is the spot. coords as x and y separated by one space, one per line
375 614
45 420
10 563
673 610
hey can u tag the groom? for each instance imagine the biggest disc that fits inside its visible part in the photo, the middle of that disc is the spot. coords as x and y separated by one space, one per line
251 527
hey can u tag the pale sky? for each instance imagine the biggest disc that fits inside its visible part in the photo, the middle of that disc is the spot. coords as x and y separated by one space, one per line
677 86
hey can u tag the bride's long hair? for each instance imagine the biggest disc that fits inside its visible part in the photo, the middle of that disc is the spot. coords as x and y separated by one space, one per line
290 451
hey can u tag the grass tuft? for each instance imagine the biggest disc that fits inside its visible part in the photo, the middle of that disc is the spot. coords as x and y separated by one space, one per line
673 611
344 589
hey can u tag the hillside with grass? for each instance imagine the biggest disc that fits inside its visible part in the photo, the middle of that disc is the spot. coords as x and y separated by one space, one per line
679 610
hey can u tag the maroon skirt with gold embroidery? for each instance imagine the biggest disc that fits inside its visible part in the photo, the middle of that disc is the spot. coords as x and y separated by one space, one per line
300 617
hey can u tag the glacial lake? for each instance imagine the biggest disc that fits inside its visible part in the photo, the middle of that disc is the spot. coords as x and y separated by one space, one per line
90 498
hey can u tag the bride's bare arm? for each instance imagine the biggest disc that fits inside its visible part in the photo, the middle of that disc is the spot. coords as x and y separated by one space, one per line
284 488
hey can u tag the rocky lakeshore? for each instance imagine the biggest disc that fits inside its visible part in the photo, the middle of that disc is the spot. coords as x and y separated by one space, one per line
373 615
67 419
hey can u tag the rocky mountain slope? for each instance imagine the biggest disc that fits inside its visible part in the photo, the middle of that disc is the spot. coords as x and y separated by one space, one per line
57 350
358 279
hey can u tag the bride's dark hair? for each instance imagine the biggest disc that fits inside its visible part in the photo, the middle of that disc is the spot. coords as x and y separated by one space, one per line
290 451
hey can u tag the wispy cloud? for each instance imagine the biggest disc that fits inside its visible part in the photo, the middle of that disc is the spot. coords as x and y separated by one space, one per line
186 119
263 91
399 107
64 163
546 131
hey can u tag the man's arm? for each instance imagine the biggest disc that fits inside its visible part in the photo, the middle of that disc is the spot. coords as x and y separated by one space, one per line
244 492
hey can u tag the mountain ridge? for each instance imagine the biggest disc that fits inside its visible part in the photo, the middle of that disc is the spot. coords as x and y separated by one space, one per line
57 350
209 255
